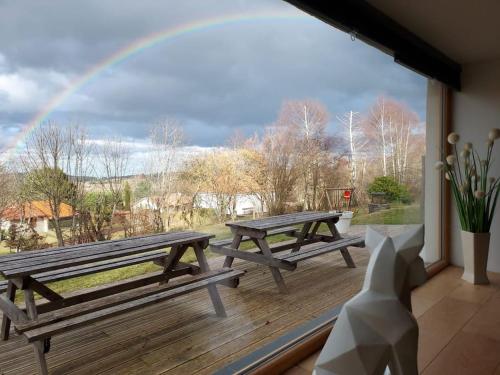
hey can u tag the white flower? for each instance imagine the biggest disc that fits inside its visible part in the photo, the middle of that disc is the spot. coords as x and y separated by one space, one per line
465 154
494 134
447 176
451 159
439 165
453 138
479 194
468 146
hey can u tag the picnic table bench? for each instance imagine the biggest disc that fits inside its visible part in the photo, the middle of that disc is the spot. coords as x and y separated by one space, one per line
274 256
29 272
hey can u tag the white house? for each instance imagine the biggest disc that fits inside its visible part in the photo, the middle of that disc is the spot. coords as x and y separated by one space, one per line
175 201
36 213
145 203
246 204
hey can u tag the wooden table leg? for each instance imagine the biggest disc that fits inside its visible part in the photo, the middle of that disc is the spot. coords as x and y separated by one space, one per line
314 230
29 300
40 358
38 346
345 253
173 259
266 251
11 295
228 262
301 237
43 290
212 289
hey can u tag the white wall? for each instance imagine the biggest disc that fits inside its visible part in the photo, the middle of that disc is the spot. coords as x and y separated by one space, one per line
476 111
245 203
433 178
42 225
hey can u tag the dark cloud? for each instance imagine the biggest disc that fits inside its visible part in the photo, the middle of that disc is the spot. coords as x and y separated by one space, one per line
214 81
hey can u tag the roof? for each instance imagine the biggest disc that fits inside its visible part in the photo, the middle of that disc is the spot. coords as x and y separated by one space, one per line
35 209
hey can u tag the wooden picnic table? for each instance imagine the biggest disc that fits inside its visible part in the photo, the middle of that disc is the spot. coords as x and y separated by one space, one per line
30 272
286 256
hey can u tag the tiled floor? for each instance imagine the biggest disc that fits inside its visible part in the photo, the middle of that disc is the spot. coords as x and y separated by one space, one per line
459 327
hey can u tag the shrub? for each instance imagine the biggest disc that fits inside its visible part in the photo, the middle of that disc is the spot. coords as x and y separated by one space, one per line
393 190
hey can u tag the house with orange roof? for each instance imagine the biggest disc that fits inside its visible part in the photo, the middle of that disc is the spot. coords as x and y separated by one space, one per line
36 213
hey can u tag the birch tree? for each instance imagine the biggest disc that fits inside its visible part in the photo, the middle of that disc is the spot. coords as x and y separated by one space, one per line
357 142
378 120
394 130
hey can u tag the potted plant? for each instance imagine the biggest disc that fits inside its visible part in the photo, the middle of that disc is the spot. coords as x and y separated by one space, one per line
345 219
475 194
344 222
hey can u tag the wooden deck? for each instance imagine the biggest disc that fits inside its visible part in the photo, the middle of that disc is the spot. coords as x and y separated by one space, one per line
184 336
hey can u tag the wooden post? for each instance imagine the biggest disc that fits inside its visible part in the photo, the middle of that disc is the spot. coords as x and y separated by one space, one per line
40 358
345 253
422 194
264 247
301 236
29 299
11 295
212 289
175 255
228 262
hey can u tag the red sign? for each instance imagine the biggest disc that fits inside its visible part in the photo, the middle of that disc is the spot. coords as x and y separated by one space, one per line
347 195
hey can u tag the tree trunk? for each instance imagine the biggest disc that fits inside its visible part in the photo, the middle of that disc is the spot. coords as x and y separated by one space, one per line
384 148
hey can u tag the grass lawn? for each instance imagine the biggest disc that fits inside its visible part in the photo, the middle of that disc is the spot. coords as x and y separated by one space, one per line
398 214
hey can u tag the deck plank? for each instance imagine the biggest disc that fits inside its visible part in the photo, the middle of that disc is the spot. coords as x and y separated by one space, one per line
184 335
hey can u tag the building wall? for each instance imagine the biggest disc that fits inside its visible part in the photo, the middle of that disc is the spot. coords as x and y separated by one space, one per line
42 225
476 111
245 203
5 225
433 178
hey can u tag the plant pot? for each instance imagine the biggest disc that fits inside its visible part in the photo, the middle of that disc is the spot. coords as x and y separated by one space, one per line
344 222
475 248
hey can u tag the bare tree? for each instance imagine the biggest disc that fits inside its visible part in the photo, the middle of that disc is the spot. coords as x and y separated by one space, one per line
114 156
278 168
224 180
306 121
7 189
378 120
192 179
79 166
167 137
43 163
357 142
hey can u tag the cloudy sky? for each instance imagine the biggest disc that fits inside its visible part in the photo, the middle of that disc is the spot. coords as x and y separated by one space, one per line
214 80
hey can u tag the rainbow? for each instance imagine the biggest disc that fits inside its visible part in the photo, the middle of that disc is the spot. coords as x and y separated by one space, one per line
134 48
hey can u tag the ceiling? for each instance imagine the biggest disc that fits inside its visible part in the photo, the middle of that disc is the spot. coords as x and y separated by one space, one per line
467 31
